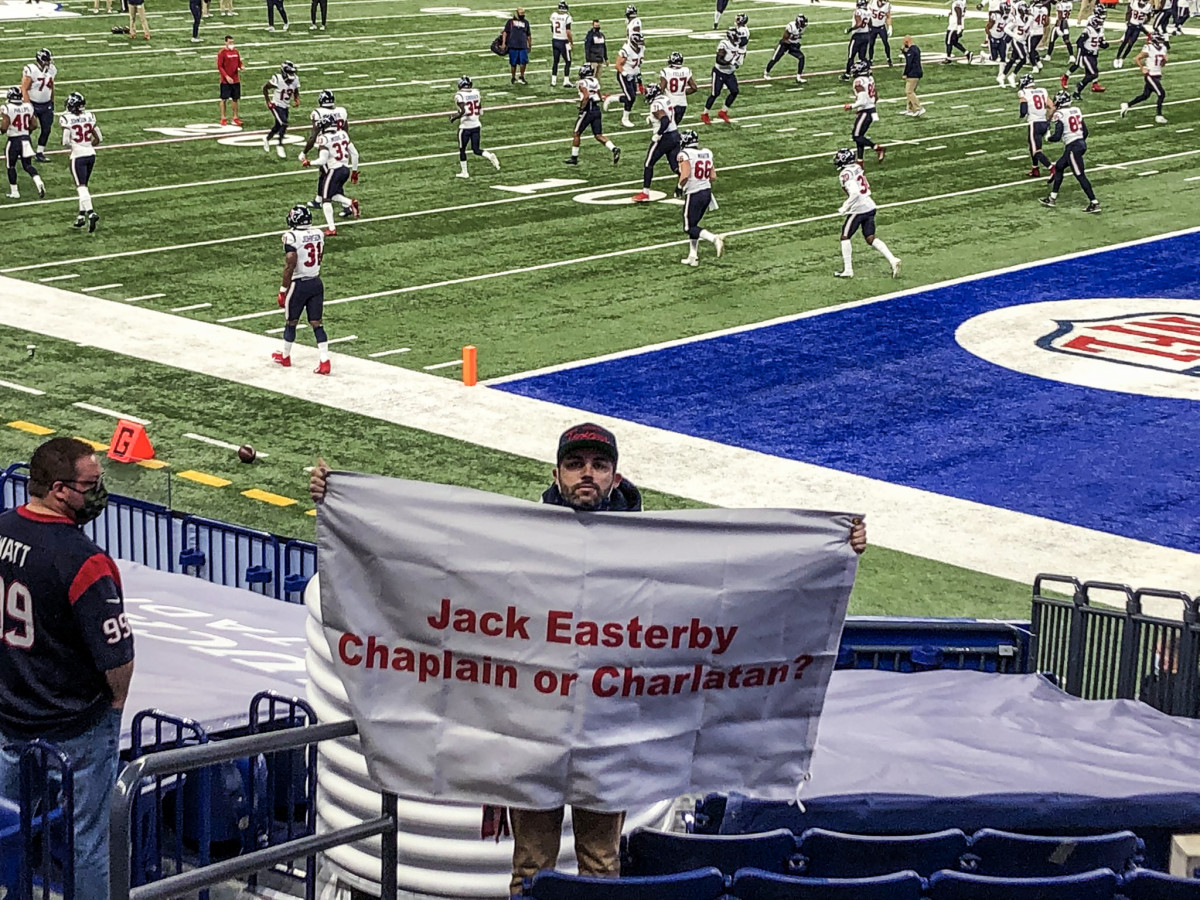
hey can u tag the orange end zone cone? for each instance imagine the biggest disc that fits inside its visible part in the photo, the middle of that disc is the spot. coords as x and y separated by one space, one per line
468 369
130 443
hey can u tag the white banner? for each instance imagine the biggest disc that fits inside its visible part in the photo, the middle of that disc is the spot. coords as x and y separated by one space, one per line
500 651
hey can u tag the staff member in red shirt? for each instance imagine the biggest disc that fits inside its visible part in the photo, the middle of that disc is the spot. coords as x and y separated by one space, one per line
229 65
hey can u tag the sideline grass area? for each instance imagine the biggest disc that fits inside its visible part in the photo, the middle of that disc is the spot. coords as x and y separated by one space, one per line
389 60
889 583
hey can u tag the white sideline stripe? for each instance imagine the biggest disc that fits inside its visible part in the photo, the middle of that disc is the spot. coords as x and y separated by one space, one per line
339 340
13 386
191 435
100 287
59 277
389 352
990 540
179 309
110 412
612 254
445 365
132 299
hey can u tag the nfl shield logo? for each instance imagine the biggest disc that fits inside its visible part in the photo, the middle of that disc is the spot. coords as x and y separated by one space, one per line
1164 340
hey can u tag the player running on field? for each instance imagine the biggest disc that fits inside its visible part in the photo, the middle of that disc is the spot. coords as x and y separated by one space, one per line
664 142
1070 128
789 44
1034 108
281 89
302 290
859 210
864 109
337 158
82 135
470 108
16 120
696 175
590 116
955 26
677 83
1150 60
730 56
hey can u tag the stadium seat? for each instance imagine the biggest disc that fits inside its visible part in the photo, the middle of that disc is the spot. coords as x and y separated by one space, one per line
1002 853
701 884
1100 884
832 854
1143 884
755 884
651 852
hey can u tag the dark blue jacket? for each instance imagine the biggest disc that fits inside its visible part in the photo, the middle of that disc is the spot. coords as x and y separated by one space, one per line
912 61
624 498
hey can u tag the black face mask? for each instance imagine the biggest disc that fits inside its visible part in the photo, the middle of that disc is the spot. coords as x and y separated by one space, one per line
95 500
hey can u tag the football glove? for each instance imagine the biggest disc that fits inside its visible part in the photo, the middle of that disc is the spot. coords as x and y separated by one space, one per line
354 177
282 297
678 190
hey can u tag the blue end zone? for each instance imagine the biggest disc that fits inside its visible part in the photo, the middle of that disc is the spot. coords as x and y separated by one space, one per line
884 390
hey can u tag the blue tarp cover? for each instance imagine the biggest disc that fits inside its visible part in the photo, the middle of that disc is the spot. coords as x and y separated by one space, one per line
1006 751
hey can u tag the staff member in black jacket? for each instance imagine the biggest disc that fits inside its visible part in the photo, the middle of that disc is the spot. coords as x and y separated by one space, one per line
595 50
912 75
517 39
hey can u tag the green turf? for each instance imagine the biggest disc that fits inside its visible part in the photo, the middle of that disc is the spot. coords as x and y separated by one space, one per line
423 226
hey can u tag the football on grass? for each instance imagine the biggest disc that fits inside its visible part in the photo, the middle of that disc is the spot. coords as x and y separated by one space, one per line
247 454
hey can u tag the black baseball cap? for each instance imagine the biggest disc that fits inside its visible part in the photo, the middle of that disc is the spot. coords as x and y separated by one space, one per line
587 436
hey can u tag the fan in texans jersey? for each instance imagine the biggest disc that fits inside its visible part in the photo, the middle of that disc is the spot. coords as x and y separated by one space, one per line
470 108
1070 128
859 210
337 160
864 109
281 89
82 135
590 116
302 290
664 142
789 43
730 56
16 120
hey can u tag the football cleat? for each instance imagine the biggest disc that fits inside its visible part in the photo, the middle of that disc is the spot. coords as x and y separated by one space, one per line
280 359
1161 120
1035 172
846 274
14 194
1092 207
322 368
41 188
41 157
354 209
93 218
690 261
1047 202
705 118
1118 62
616 155
896 269
279 151
80 220
1124 110
723 115
237 121
1000 79
1012 80
223 121
572 160
641 197
330 232
800 80
719 243
879 151
1098 88
766 75
1050 173
299 216
1064 81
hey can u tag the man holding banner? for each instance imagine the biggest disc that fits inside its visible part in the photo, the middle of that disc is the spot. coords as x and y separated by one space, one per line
586 692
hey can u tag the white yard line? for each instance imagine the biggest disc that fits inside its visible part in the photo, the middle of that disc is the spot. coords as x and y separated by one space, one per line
445 365
100 287
389 352
342 340
60 277
135 299
179 309
216 443
110 412
13 386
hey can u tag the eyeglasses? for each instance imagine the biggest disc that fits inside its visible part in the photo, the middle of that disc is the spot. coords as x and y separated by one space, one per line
87 485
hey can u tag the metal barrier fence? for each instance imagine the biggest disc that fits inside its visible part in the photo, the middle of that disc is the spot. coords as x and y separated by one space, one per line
189 759
156 536
1106 653
47 838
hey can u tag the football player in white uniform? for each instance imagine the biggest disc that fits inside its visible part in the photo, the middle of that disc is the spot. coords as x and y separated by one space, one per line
629 75
1034 108
301 290
864 109
664 142
860 37
337 158
997 36
633 24
37 88
561 42
1017 29
326 106
789 43
1137 16
742 24
1150 60
470 108
677 83
954 30
82 135
1070 128
1039 17
1062 25
696 175
590 116
1087 55
859 210
16 120
730 55
282 88
879 13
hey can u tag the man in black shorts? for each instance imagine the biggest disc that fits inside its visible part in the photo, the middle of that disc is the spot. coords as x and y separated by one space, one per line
66 648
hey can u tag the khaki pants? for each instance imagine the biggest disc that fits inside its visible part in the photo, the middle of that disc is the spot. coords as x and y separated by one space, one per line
910 92
1086 8
138 14
537 834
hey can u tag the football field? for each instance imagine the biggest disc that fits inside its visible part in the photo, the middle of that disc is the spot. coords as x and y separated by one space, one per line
541 265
